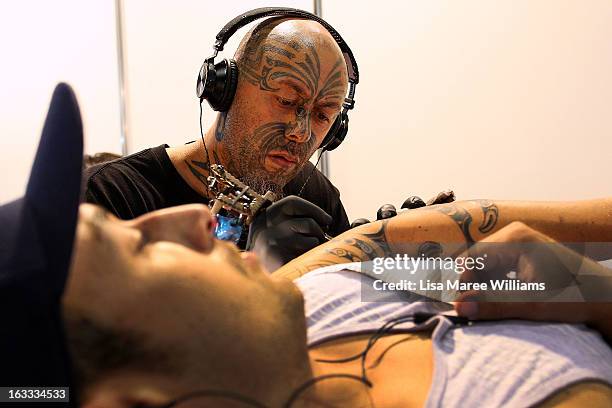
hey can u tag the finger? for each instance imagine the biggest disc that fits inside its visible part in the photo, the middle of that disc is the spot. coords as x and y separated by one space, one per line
304 244
293 206
474 305
490 261
413 202
305 227
290 249
386 211
470 276
359 221
494 310
536 311
443 197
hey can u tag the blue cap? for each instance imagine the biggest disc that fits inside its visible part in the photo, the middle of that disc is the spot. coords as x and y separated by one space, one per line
36 237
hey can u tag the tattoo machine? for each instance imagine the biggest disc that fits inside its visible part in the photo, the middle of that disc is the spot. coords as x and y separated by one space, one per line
235 204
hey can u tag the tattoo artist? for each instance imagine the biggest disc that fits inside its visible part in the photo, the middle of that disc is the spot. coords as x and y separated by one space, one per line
292 80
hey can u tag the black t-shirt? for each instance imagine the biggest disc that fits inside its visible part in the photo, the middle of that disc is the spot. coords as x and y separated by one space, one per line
148 181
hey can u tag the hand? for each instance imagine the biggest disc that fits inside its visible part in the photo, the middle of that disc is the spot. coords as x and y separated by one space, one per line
389 211
287 229
444 197
537 258
386 211
359 221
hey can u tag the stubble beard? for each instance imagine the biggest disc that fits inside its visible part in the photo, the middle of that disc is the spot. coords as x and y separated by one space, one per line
245 160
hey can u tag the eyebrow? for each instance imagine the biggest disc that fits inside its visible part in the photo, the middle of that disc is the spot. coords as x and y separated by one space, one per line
294 85
330 104
302 91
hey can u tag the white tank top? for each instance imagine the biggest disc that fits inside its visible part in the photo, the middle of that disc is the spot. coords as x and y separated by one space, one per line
489 364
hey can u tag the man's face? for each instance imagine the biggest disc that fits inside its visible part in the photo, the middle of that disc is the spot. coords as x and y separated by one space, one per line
165 277
290 91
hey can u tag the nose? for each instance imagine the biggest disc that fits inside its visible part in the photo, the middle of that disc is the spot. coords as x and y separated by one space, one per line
190 225
299 131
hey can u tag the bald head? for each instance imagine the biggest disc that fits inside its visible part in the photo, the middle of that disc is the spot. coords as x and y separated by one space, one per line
303 47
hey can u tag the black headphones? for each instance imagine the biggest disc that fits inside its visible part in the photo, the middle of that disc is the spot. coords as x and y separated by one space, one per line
217 82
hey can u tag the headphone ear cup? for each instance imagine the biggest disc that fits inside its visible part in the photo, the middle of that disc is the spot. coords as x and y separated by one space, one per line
337 133
205 76
230 74
220 84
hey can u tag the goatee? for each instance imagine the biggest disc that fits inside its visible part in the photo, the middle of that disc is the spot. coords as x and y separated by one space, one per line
263 184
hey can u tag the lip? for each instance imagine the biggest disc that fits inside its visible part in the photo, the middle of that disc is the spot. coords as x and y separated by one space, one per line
282 159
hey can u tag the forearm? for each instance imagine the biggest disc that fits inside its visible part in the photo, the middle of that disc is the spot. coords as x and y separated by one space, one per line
446 229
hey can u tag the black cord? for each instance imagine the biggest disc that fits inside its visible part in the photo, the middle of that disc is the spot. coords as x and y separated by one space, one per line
294 396
419 317
206 150
311 173
381 332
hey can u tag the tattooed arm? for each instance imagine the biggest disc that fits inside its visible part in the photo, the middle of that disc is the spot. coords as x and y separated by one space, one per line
448 229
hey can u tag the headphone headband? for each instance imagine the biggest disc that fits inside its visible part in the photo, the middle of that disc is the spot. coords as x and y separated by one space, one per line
238 22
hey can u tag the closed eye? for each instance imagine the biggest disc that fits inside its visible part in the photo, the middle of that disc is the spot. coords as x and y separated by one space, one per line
285 102
323 117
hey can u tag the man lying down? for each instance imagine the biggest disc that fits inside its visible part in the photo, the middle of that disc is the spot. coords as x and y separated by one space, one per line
155 312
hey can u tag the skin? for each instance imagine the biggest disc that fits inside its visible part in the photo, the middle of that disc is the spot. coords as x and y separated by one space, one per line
449 229
122 270
171 255
291 85
544 260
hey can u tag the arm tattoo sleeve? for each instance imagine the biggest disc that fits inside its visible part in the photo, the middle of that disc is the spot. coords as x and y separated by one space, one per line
344 254
378 241
490 215
430 249
364 246
462 218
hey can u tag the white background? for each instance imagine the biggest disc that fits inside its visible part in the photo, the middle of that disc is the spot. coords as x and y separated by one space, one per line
505 99
508 99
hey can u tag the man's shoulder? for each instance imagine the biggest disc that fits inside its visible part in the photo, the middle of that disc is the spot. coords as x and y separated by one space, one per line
132 185
141 164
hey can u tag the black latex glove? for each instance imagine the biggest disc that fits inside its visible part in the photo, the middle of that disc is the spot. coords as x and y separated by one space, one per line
444 197
386 211
413 202
286 230
359 221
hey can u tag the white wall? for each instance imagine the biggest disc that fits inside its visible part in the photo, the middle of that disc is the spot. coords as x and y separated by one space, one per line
42 43
505 99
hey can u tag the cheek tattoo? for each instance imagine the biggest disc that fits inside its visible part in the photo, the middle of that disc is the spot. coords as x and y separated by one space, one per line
271 136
